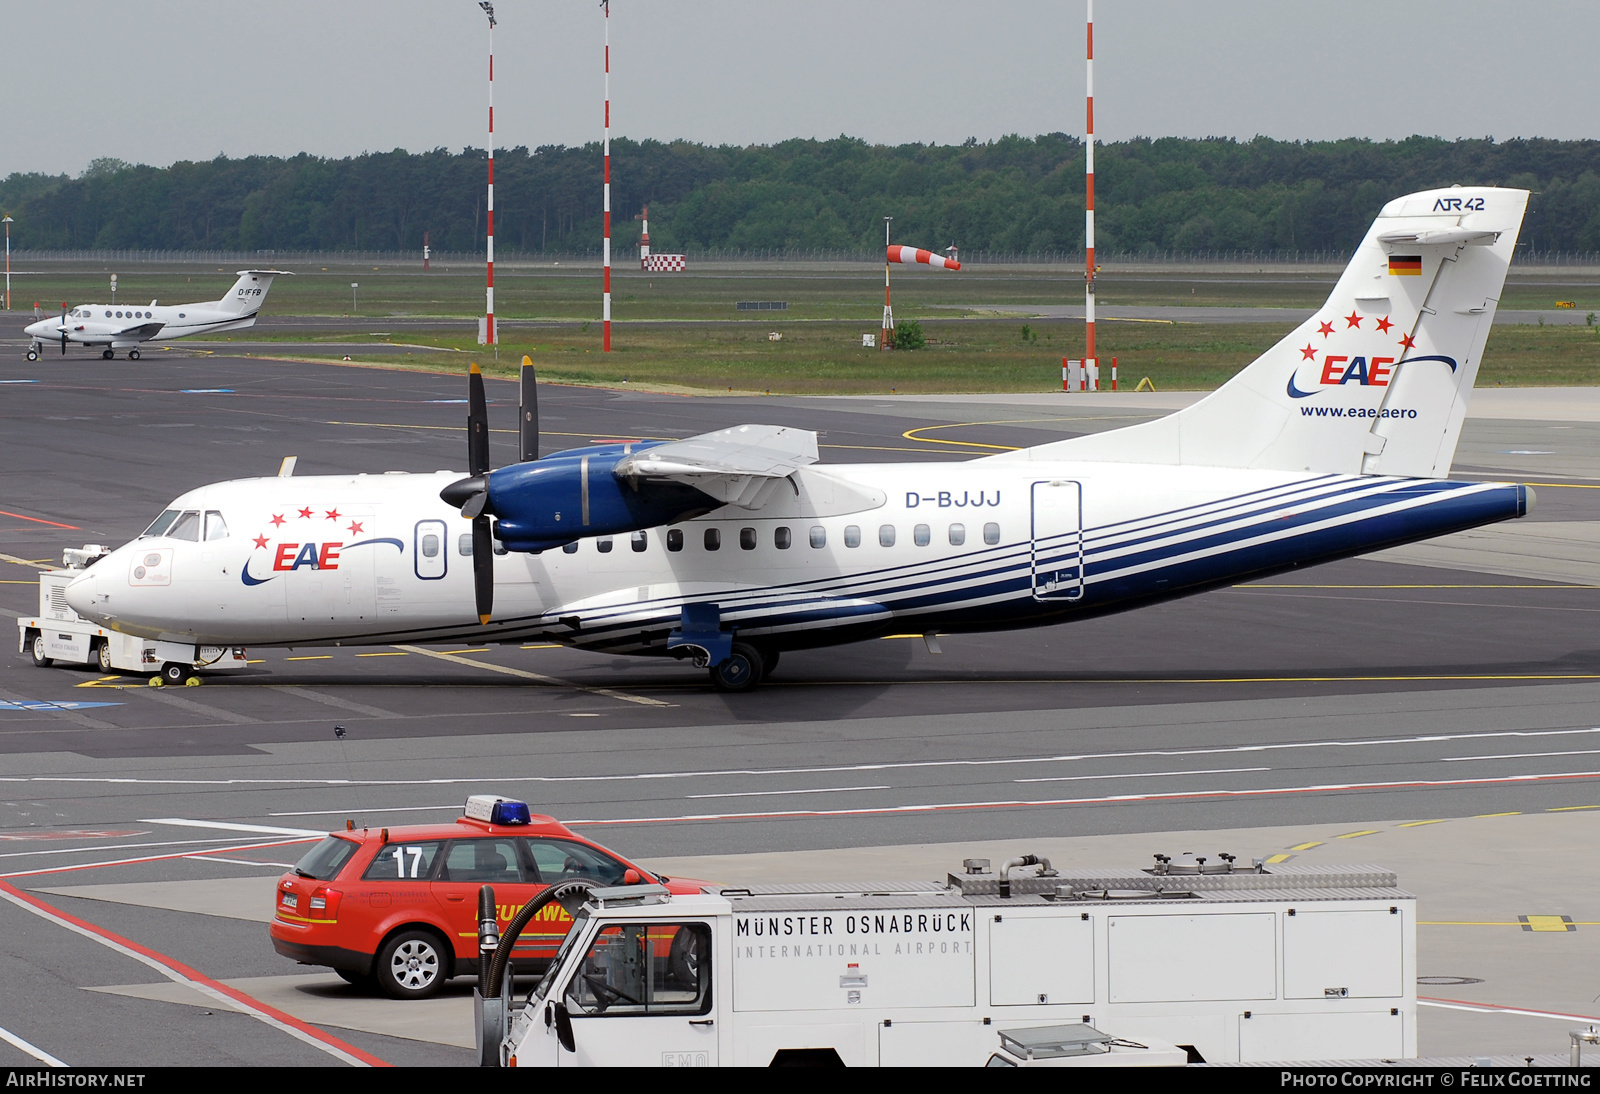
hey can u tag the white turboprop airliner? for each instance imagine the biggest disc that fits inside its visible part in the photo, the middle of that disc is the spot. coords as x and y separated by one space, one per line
734 546
123 326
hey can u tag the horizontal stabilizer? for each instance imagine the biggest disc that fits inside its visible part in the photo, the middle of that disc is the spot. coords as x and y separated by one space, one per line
738 466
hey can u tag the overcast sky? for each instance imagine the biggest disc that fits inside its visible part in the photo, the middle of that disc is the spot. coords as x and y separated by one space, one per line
184 79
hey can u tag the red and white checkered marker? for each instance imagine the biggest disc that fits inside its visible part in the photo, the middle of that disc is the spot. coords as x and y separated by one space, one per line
911 255
664 263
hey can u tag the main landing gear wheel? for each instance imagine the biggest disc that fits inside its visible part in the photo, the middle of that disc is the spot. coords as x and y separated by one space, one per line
37 649
410 966
106 355
175 673
740 672
133 355
102 652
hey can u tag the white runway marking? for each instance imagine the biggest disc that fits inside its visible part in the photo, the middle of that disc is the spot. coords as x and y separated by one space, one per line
525 674
1524 755
119 847
240 862
32 1050
363 812
1140 775
906 765
229 826
775 793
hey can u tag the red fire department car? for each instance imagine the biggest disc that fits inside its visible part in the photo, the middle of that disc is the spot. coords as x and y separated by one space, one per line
397 908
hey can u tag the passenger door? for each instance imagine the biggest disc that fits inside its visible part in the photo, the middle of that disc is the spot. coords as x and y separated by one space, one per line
1057 541
642 998
470 864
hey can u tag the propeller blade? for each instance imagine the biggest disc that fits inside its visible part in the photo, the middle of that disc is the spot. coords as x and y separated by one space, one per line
528 415
474 505
483 567
63 331
477 424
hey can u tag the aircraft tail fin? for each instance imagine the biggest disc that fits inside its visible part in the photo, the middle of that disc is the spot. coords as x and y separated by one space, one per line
249 292
1377 381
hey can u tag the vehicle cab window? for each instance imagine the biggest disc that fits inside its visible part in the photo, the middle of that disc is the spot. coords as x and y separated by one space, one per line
186 527
644 968
216 527
403 861
558 860
483 861
324 861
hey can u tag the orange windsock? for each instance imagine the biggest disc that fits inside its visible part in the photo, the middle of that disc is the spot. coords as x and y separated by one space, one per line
911 255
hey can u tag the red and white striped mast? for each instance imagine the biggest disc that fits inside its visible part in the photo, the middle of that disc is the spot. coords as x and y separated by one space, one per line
488 9
605 307
1089 359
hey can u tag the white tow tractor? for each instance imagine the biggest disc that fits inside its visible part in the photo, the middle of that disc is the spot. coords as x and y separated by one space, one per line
57 633
1174 963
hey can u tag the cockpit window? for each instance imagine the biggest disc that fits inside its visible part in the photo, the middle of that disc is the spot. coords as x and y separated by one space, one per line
216 527
186 527
160 525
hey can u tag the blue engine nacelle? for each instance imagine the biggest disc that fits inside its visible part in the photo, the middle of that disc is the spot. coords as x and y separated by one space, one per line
552 501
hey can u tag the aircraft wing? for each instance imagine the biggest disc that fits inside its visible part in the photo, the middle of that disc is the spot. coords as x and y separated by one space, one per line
739 466
143 332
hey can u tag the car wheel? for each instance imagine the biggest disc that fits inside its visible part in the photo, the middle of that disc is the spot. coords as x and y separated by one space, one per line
175 673
103 656
740 672
410 965
39 659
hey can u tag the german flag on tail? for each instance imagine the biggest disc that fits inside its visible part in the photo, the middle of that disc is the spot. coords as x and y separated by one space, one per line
1405 265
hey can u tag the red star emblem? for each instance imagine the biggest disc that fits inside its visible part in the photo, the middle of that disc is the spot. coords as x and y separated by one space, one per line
355 526
1384 325
305 513
261 541
333 514
1308 354
1352 320
1405 340
1325 329
277 519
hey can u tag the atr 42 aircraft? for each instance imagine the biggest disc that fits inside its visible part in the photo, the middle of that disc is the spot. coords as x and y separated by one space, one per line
120 326
731 547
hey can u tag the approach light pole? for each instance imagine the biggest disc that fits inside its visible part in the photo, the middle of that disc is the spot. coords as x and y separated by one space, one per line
888 312
488 327
8 262
354 285
605 303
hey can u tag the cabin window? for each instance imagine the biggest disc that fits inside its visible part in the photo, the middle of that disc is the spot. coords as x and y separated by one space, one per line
216 527
603 545
885 535
640 540
819 536
464 545
181 315
747 539
958 534
430 546
922 535
852 535
674 539
570 548
108 315
991 533
713 539
186 527
781 538
160 525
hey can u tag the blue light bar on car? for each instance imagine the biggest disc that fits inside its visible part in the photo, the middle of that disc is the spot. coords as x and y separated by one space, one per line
495 810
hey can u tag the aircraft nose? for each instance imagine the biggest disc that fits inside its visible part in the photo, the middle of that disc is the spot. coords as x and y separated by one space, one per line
82 594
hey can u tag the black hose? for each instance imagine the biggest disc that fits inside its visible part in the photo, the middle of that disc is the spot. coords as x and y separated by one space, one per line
560 891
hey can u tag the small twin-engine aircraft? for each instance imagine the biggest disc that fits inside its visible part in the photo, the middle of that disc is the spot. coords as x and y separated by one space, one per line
121 326
731 547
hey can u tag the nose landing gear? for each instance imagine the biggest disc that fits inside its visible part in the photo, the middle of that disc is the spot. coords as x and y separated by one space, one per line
33 351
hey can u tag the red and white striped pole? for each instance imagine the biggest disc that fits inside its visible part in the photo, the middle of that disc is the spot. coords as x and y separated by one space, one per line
489 335
888 312
605 310
1089 358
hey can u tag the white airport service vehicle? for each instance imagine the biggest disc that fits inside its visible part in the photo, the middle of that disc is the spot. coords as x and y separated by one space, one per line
731 547
128 326
58 633
1179 962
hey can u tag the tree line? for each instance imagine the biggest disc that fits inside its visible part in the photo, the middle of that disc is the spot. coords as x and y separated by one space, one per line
1012 194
